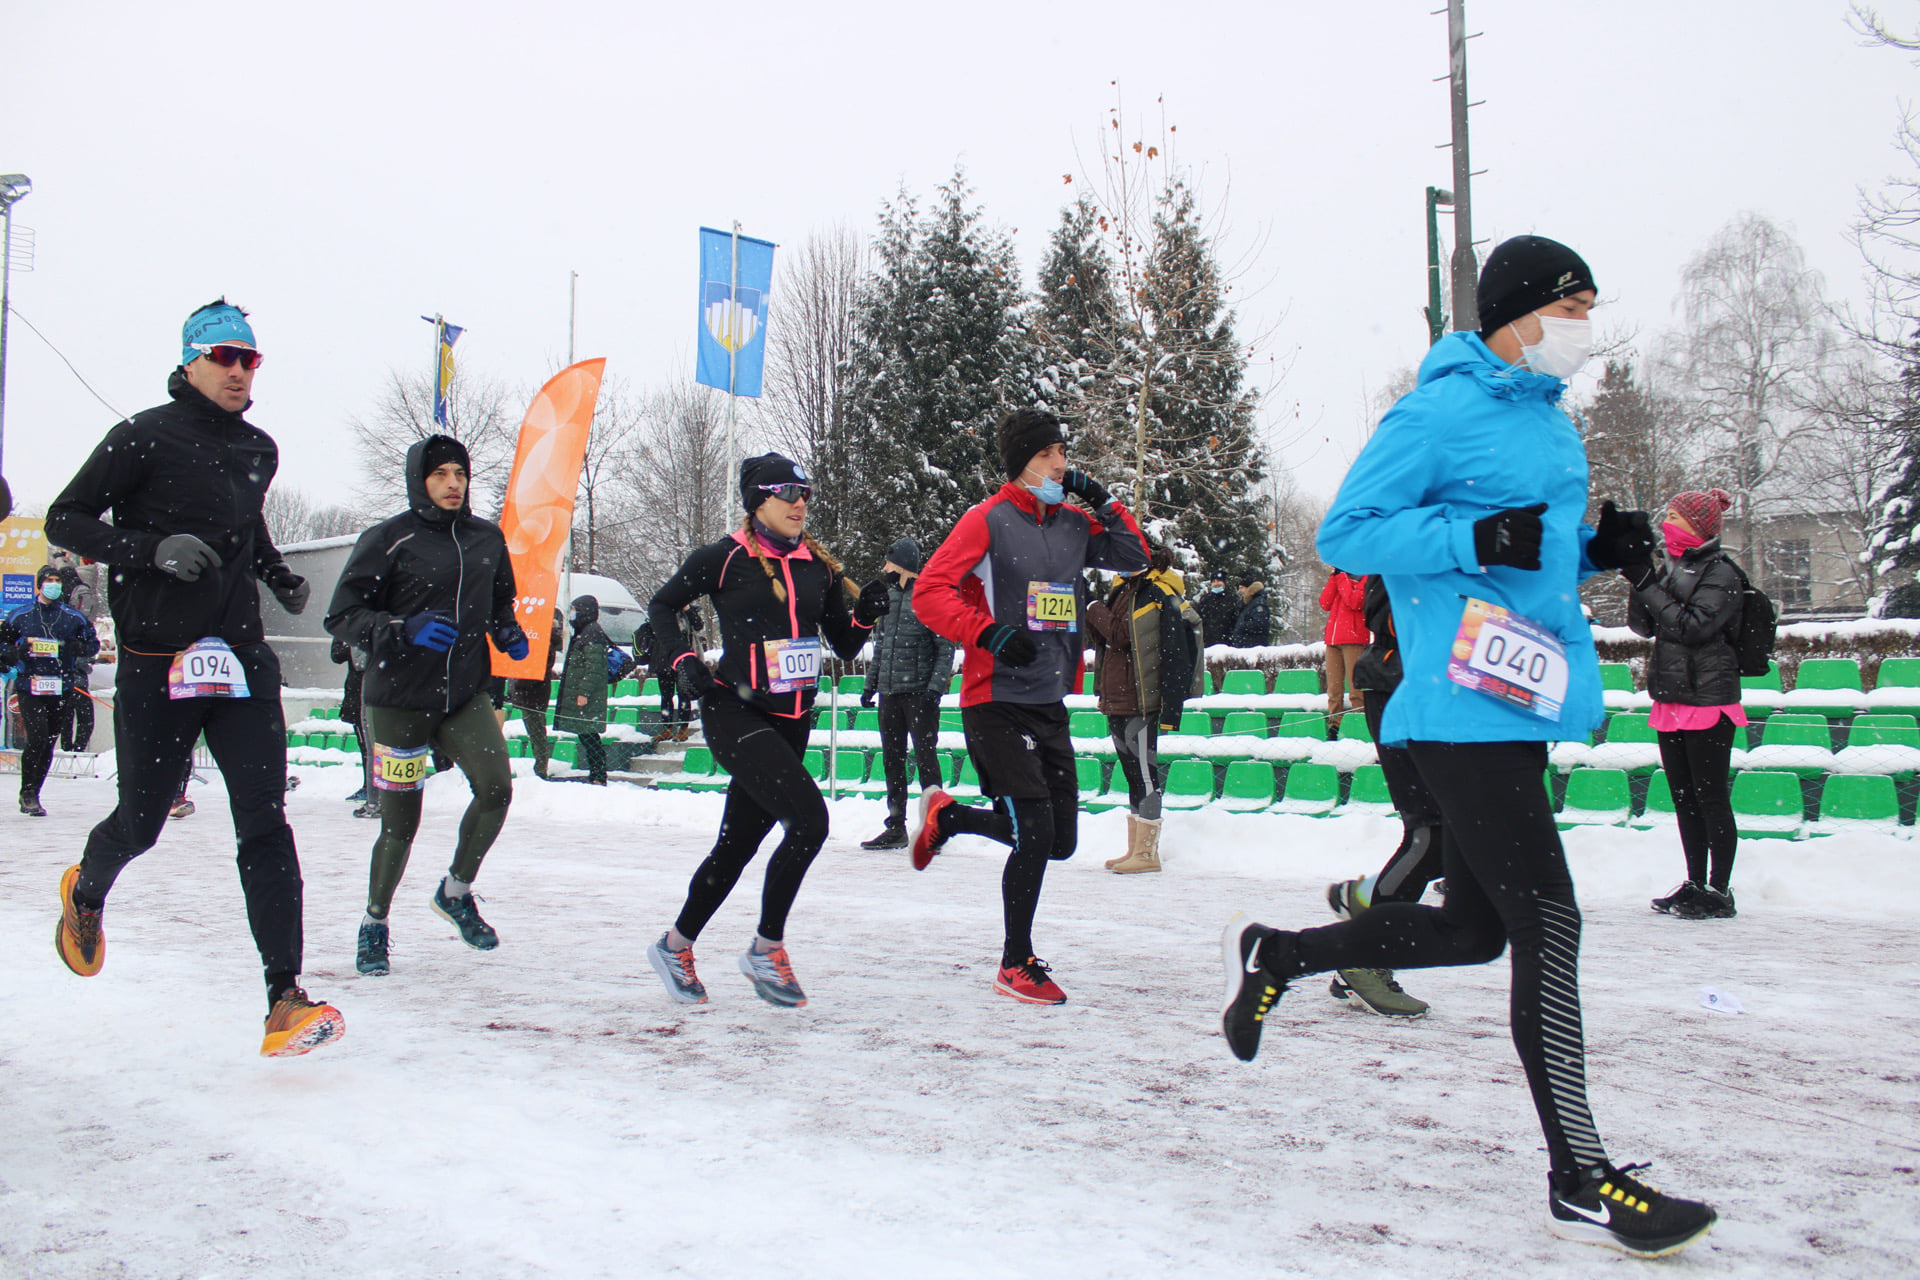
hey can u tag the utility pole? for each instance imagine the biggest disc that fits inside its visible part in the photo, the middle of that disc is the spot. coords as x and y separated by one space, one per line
1436 307
13 186
1466 270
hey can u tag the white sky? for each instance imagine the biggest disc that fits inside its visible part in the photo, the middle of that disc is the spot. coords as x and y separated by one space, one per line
342 169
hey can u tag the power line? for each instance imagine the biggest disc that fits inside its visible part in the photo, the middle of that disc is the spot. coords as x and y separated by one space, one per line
63 360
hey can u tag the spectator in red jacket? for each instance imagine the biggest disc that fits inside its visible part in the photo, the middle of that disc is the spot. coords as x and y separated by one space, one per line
1347 638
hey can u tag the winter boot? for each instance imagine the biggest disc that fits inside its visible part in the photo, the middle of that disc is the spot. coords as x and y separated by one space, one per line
1143 847
1133 842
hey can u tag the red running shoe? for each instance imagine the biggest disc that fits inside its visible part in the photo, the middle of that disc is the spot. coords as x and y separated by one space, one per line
1029 982
926 836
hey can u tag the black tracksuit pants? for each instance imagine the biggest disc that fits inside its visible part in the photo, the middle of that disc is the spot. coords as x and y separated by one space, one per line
1416 863
765 755
40 717
1696 763
153 744
76 718
902 714
1507 885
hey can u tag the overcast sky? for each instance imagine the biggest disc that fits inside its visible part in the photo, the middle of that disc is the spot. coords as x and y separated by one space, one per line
342 169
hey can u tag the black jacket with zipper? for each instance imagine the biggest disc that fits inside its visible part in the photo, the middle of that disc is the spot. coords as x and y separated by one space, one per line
751 614
1689 607
188 466
425 560
1378 670
907 658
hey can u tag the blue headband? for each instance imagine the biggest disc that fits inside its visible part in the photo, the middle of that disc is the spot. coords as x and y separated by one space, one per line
210 326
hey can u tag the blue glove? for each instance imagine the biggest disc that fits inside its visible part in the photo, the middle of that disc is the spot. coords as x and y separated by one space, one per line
432 630
615 661
513 641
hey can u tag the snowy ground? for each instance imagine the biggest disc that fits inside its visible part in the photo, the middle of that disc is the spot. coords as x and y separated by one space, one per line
544 1111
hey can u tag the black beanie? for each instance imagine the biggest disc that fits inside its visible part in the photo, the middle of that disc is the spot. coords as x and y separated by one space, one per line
439 452
767 469
1023 433
905 552
1523 275
47 573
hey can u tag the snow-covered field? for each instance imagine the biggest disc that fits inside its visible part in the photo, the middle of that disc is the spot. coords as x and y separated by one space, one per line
543 1110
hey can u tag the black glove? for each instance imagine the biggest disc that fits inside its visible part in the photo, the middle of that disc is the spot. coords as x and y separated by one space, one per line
1510 537
432 630
513 641
185 557
9 635
1089 490
866 698
1639 575
289 588
696 677
1623 539
1008 644
873 602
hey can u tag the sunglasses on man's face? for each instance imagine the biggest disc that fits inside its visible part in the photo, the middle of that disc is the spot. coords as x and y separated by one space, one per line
226 357
788 492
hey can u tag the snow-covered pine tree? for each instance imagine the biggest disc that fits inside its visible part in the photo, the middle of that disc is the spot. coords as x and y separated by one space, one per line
1895 543
1082 334
941 354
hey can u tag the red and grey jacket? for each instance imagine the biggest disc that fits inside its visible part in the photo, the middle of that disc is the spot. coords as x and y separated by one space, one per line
1000 563
751 614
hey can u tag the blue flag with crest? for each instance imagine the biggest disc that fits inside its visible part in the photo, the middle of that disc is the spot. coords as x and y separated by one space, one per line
733 321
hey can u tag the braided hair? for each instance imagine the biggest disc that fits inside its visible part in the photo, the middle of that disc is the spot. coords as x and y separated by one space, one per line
813 544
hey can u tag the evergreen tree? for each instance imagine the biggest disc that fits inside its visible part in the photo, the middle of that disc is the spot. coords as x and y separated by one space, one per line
1895 544
1082 336
941 354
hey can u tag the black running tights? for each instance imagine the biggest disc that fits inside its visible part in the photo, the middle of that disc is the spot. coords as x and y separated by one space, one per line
765 756
1040 831
1696 764
40 717
1416 863
1507 884
472 739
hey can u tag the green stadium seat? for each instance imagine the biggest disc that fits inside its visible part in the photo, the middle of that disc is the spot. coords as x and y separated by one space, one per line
651 689
1852 801
1882 742
1087 724
1245 724
1311 788
1244 682
867 721
1248 786
1369 790
1800 742
1087 773
623 715
816 765
1659 802
953 685
1827 676
1353 727
698 761
1302 724
1616 677
1884 729
1768 805
1631 727
1898 673
567 749
1596 797
1760 708
1189 784
950 722
1086 682
1769 682
626 689
850 765
1198 723
967 777
1296 680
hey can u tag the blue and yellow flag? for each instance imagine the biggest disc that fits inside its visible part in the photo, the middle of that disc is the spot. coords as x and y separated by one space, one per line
733 320
444 336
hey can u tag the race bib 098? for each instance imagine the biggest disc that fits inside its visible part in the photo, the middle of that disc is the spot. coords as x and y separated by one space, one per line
1509 657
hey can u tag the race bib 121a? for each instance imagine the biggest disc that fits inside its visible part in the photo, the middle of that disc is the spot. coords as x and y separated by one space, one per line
1052 606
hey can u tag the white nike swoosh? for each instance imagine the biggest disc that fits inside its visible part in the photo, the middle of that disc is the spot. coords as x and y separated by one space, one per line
1604 1217
1253 958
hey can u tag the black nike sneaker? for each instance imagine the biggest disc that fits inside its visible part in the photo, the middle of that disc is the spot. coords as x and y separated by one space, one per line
1252 954
370 949
1609 1206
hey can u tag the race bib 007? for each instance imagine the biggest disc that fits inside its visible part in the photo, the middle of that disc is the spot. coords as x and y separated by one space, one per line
1509 657
207 669
792 664
1052 606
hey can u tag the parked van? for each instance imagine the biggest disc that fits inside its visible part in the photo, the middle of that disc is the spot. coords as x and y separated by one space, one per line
620 614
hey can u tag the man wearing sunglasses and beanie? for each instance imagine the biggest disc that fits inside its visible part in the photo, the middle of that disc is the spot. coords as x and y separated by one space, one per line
188 548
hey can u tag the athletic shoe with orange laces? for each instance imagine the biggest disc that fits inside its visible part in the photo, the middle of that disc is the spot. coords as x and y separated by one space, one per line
772 977
79 939
926 836
1029 982
296 1025
676 970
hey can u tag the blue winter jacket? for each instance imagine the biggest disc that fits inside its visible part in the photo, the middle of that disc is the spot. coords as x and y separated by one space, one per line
1475 436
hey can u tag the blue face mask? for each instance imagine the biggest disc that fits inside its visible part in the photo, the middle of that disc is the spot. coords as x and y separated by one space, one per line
1050 492
51 589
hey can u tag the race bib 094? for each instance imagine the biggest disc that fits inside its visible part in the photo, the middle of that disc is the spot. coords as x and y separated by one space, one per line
1509 657
1052 606
792 664
207 669
399 768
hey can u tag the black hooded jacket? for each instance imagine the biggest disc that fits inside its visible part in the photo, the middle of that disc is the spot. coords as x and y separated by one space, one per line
1378 670
1689 607
425 560
188 466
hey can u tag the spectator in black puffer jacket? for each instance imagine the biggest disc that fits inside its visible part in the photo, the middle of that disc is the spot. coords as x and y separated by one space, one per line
1218 608
1691 608
1253 627
911 669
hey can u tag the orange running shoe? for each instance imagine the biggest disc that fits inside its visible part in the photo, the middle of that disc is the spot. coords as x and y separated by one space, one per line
1029 983
79 939
296 1025
926 837
772 977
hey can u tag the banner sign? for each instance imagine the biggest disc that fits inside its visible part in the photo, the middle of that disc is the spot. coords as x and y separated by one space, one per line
733 321
444 336
539 509
23 549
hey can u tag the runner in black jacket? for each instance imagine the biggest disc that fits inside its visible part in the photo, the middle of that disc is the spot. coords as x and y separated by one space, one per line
421 593
186 483
775 591
52 645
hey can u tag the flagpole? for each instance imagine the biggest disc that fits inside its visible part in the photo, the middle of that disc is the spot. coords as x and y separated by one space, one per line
733 346
439 336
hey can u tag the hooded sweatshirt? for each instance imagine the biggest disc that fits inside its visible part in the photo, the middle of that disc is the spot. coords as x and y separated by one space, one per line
1474 437
425 560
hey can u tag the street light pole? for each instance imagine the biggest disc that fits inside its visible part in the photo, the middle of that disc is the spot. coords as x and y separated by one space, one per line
13 187
1436 309
1466 271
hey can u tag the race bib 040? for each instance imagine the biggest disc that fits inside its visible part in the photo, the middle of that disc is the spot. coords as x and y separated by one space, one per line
792 664
1513 658
207 669
1052 606
400 768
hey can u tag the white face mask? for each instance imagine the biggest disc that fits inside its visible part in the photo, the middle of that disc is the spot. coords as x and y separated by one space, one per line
1563 347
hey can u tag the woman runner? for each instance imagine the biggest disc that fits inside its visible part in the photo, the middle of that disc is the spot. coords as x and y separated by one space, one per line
775 591
421 594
